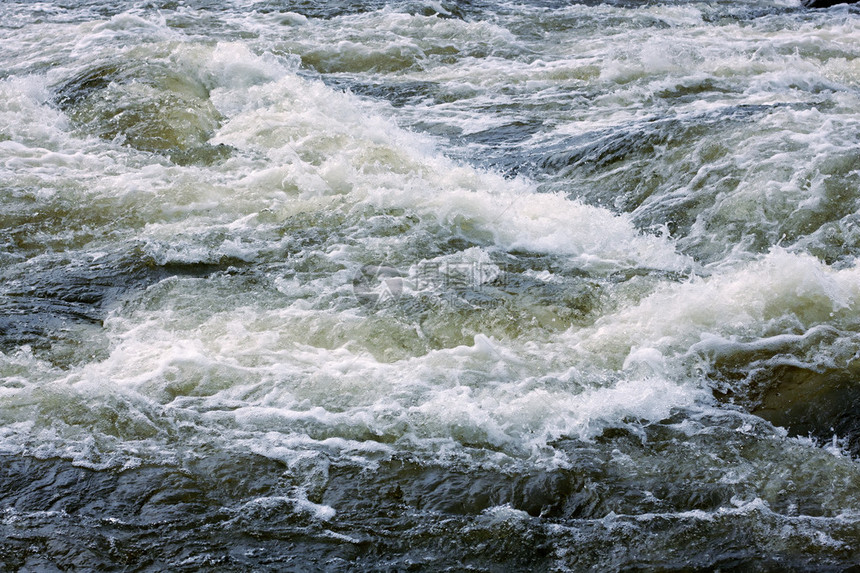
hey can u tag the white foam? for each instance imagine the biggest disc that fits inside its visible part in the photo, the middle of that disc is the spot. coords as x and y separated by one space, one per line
744 302
279 504
303 368
517 218
124 29
31 124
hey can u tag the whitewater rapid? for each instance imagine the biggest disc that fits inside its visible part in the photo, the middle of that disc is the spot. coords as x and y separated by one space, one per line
560 276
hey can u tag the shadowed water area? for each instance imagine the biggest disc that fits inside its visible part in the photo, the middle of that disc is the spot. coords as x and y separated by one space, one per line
383 286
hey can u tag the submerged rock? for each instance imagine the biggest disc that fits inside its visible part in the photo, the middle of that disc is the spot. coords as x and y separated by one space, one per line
147 106
808 384
58 310
821 405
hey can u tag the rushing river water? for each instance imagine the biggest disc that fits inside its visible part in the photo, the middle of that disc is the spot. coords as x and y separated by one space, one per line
489 286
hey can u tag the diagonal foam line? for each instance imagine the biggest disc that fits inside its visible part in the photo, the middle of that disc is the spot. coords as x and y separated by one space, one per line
505 210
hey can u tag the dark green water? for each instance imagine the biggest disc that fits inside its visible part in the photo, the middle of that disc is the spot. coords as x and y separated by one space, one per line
384 286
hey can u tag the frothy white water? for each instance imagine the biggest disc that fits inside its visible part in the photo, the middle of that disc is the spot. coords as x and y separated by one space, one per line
238 321
192 353
246 368
782 292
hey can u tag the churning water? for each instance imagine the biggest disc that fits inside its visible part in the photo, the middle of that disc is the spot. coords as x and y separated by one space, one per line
418 285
